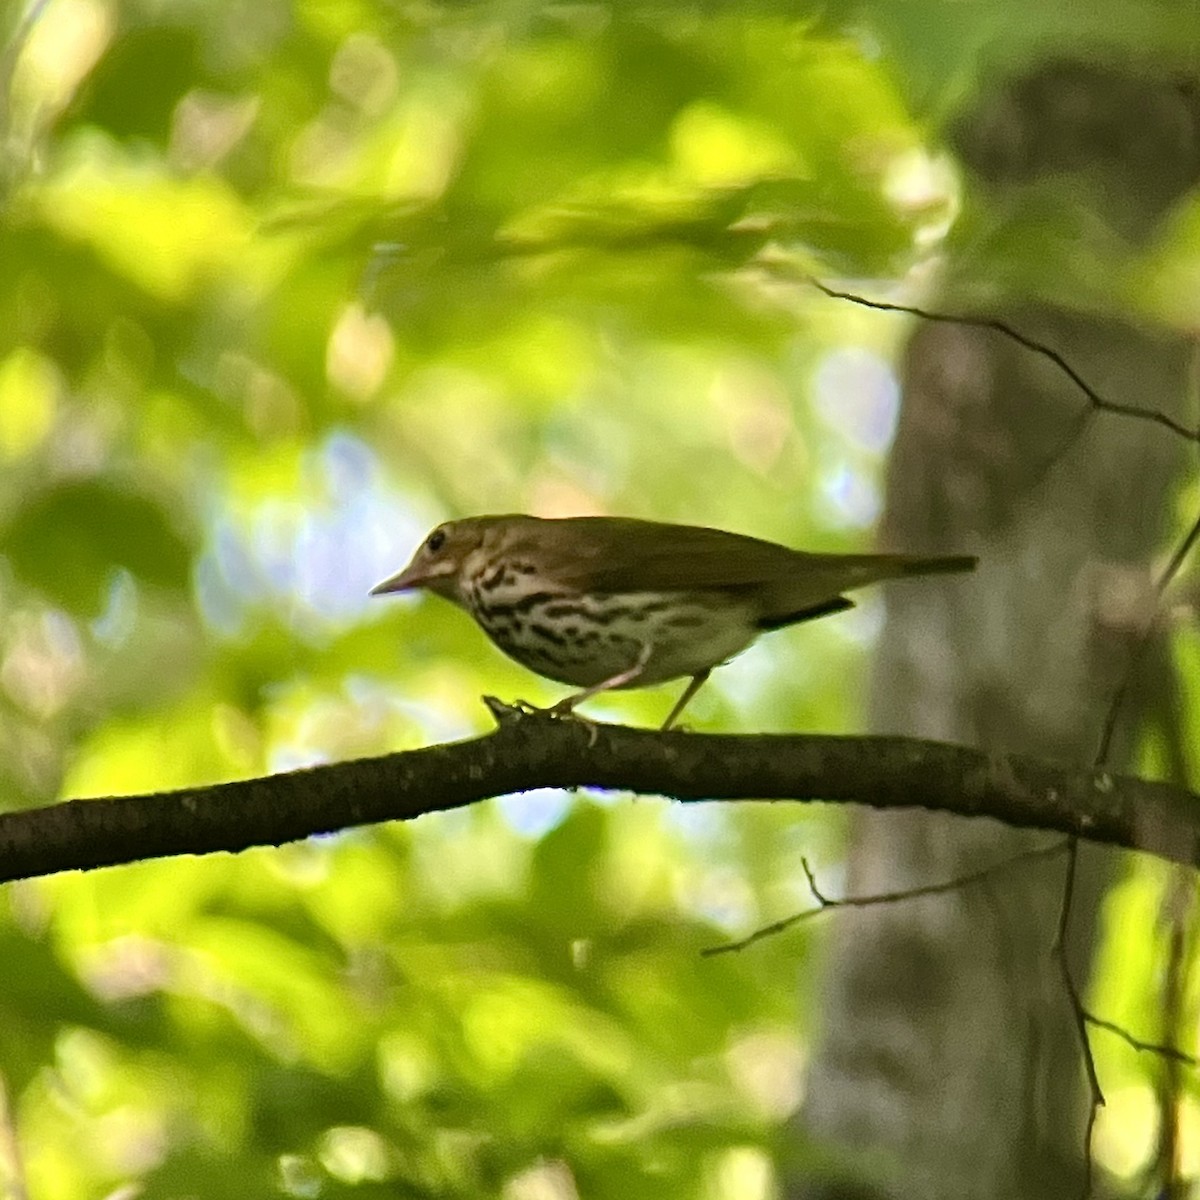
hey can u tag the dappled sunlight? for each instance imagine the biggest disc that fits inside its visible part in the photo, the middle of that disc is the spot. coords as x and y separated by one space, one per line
129 1132
64 43
43 665
681 1105
188 231
506 1018
428 137
310 558
307 723
118 617
1171 277
926 185
354 1154
851 500
862 625
741 1173
270 406
277 989
533 814
127 966
406 1065
31 386
1126 1130
642 876
722 896
856 393
206 127
127 757
543 1181
323 153
768 1066
705 826
757 410
457 416
363 72
361 348
714 147
285 284
466 856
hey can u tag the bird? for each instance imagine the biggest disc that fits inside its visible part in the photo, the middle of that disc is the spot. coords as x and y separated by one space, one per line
603 603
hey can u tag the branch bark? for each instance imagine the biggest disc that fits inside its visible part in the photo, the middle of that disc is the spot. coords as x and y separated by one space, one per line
533 750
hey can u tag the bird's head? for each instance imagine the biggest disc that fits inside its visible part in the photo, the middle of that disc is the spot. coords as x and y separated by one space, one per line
442 561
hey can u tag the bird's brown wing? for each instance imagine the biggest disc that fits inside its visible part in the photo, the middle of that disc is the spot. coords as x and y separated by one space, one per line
621 554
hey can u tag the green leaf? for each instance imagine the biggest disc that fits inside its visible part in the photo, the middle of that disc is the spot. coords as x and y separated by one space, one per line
67 543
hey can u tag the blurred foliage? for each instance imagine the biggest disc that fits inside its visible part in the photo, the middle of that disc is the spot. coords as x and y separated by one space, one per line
285 283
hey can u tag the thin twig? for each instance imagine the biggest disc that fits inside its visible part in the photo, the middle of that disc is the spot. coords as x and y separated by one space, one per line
824 903
1160 1048
1139 647
1094 398
1059 951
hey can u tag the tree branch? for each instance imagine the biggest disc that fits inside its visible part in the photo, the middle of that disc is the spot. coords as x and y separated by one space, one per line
534 750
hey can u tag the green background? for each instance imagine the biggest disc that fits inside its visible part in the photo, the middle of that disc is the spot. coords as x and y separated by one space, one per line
283 285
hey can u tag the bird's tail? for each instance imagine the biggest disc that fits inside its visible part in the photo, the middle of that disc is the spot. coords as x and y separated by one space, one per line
816 589
947 564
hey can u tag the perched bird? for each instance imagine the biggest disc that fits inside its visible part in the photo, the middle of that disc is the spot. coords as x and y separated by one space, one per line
613 602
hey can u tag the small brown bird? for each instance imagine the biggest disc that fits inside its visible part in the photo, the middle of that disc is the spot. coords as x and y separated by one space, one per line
613 602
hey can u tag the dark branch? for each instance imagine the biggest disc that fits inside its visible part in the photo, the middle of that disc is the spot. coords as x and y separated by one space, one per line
533 750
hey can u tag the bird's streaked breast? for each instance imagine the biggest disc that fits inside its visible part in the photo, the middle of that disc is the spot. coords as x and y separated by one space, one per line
584 639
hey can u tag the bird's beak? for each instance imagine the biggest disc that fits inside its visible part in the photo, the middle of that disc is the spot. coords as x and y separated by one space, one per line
404 581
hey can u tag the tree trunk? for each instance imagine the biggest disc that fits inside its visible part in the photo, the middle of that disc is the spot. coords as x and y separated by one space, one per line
948 1064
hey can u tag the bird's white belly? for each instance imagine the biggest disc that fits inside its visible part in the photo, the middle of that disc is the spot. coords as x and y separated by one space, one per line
585 640
695 639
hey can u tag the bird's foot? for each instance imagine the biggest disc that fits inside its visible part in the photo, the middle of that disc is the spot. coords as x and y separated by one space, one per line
564 710
503 712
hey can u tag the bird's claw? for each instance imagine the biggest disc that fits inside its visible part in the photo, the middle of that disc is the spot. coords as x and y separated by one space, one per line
564 710
500 711
504 712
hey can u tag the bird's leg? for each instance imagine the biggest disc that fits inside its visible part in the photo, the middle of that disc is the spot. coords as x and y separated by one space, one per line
694 685
620 679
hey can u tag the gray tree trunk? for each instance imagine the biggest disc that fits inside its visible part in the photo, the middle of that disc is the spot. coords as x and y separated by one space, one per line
948 1064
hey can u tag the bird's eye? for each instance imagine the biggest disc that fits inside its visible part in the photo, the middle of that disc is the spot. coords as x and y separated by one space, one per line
435 541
